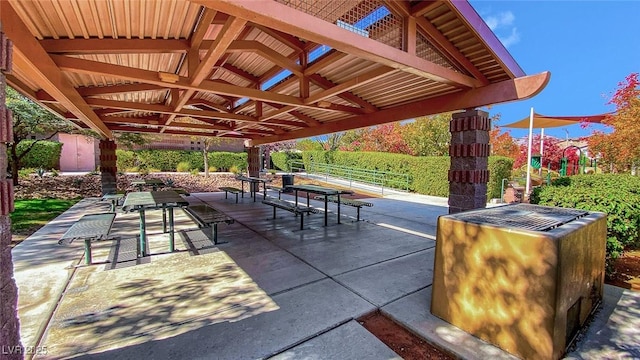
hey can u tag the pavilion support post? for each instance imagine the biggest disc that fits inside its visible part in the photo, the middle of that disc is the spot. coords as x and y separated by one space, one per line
9 323
108 167
253 158
469 152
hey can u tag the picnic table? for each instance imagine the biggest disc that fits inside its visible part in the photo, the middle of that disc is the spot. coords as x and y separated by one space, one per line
155 184
320 190
152 200
254 185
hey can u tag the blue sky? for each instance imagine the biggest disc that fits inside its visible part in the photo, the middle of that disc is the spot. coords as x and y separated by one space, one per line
588 46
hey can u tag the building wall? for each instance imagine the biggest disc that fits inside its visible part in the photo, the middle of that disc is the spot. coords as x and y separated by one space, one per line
78 153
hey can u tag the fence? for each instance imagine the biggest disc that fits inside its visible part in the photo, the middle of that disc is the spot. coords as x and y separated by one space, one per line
382 179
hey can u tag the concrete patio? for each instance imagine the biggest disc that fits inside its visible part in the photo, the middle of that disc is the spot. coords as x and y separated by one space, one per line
271 291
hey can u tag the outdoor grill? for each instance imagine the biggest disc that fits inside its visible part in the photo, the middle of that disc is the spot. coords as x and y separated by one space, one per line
522 277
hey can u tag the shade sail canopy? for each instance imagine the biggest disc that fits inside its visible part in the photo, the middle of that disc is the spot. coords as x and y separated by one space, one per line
263 70
543 121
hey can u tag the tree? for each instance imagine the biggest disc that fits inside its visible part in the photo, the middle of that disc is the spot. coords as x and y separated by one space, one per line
503 144
29 119
129 140
208 142
620 147
308 145
552 152
429 135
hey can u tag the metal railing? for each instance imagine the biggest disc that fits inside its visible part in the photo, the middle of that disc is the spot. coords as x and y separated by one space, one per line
376 178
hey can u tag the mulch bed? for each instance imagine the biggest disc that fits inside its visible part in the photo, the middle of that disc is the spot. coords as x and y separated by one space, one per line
400 340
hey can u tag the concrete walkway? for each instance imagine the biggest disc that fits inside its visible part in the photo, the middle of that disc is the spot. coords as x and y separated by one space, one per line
271 291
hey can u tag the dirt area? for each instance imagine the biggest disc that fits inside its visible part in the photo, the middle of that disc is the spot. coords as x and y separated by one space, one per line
400 340
627 271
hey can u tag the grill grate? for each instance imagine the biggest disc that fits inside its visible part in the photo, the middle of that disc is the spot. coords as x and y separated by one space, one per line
523 216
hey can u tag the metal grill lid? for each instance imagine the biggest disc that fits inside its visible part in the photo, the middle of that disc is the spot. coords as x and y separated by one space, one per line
523 216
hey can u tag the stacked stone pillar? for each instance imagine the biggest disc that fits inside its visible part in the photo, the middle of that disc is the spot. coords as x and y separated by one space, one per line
469 152
253 158
108 167
9 324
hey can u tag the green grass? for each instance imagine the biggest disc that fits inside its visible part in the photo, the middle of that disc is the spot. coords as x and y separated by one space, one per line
30 215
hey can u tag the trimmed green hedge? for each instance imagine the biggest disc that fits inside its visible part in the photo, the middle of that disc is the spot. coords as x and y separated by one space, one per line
428 175
168 160
45 154
617 195
281 159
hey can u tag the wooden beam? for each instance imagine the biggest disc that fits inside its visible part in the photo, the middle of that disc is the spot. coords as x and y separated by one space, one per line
287 39
117 89
31 58
241 73
435 37
297 23
269 54
164 109
114 46
349 84
422 7
208 104
151 77
327 84
505 91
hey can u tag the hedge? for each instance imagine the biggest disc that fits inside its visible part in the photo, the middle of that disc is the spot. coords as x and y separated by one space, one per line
428 175
282 159
615 194
45 154
168 160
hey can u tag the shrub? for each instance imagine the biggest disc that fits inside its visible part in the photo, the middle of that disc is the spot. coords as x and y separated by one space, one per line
616 195
282 159
223 161
25 172
45 154
213 169
183 166
234 169
125 159
499 168
195 171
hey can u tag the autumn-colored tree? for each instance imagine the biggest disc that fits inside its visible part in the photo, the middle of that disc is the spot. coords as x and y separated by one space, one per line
428 135
551 155
620 147
308 145
384 138
503 144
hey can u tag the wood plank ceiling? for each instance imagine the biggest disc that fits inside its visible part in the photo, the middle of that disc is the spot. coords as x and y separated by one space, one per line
261 70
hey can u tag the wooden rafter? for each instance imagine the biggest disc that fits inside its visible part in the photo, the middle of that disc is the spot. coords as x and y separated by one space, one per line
510 90
31 56
288 20
438 40
327 84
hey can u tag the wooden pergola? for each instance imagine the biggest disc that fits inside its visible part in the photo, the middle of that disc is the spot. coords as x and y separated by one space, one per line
263 70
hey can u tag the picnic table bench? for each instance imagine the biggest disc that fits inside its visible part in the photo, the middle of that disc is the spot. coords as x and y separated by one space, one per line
285 205
228 189
351 202
206 216
89 228
279 189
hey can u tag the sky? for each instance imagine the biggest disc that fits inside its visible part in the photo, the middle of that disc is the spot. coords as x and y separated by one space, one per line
588 46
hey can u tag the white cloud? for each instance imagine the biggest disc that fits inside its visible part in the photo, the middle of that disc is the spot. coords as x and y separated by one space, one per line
502 25
513 38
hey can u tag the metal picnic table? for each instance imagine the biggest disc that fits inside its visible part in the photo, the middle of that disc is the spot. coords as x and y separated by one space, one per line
154 183
326 192
151 200
253 180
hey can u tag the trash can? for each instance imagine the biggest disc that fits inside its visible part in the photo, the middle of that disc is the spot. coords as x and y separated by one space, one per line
287 179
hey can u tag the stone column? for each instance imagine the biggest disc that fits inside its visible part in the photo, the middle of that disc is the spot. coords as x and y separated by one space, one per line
469 152
9 324
108 166
253 158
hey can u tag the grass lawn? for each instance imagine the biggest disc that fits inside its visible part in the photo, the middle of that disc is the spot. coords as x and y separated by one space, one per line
30 215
